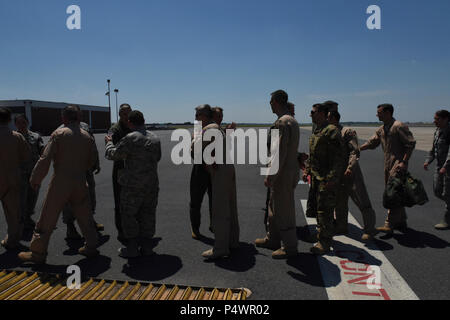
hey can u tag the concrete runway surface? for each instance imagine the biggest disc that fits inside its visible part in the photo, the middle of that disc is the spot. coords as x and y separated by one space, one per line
418 258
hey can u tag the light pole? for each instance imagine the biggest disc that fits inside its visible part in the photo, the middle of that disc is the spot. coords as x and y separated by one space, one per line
109 100
117 109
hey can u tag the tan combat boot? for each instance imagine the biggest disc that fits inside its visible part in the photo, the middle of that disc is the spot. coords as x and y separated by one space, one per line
282 253
264 243
33 257
320 249
196 234
386 228
213 255
442 225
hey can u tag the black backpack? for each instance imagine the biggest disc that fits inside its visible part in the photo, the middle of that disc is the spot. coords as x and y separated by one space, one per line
403 190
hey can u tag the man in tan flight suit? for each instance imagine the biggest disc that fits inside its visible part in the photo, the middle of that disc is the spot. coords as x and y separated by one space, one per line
224 217
281 220
398 144
14 151
352 184
73 152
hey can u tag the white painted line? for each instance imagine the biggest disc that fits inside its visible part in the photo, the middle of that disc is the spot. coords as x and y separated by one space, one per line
302 182
357 279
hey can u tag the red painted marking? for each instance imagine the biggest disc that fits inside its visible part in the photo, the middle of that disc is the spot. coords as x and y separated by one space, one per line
372 294
384 294
344 263
358 280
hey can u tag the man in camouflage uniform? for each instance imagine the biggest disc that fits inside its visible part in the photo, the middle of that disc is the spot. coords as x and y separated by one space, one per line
440 152
282 236
14 151
73 152
141 151
117 132
68 217
398 145
326 165
28 196
311 205
352 184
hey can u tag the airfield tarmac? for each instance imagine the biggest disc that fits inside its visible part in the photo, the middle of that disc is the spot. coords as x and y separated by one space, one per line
420 256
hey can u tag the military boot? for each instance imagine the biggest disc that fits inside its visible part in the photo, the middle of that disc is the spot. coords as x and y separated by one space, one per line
147 247
88 252
282 253
196 234
72 233
131 250
213 255
320 249
33 257
386 228
265 243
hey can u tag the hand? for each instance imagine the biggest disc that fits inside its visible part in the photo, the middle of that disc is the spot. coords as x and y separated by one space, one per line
108 138
97 170
305 177
443 171
402 166
348 173
425 166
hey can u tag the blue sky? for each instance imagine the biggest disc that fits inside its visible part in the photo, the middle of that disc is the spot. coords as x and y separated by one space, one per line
166 56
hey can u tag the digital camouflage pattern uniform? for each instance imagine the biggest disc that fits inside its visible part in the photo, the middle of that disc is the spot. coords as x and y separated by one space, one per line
396 140
353 186
441 182
141 151
68 216
28 196
326 163
117 132
14 151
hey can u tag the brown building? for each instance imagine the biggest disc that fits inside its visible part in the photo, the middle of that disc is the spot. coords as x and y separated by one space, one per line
45 116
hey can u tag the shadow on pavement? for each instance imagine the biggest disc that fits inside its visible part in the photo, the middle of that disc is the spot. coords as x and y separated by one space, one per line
241 259
419 239
307 233
308 266
356 233
152 268
9 260
354 254
75 244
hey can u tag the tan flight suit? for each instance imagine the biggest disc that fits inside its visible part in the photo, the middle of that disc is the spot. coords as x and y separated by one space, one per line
353 186
281 222
14 150
224 202
396 140
73 152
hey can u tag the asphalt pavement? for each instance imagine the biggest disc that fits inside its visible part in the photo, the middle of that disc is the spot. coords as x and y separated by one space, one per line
421 255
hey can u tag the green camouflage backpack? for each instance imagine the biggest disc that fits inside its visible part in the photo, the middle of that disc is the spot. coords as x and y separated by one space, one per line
403 190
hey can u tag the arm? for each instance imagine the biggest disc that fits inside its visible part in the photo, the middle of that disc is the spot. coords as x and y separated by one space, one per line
24 150
354 150
283 141
373 142
407 139
336 149
42 166
118 152
41 145
430 158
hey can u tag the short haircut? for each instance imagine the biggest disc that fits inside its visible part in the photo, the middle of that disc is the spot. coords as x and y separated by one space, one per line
331 105
136 117
321 108
335 114
217 110
71 113
280 96
204 109
124 106
444 114
21 116
387 107
5 115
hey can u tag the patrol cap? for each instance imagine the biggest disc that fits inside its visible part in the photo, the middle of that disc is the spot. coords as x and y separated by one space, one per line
331 105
